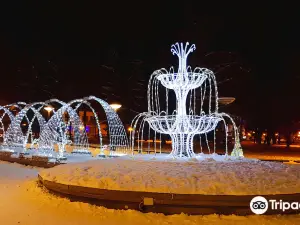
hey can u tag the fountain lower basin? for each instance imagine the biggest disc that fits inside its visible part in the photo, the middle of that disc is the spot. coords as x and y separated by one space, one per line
190 124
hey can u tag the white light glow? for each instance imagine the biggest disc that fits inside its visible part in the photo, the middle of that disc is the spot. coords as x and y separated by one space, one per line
115 106
183 123
48 108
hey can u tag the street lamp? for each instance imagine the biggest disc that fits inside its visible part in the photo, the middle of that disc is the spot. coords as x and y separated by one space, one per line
226 100
115 106
130 129
49 109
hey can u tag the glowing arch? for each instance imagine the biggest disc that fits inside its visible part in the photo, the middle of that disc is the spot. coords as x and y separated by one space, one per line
14 134
50 136
117 133
11 117
18 105
55 131
85 102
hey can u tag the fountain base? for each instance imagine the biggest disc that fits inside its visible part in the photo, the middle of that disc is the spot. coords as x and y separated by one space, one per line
202 185
182 145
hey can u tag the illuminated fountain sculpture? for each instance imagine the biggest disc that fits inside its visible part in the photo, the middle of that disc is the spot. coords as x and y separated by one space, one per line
183 123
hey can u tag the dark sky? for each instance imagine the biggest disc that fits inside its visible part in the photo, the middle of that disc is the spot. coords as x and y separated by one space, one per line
71 50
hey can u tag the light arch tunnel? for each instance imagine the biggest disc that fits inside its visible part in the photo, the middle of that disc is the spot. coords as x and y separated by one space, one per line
54 132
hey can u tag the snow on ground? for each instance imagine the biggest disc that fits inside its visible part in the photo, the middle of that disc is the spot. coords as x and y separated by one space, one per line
267 156
23 202
146 173
12 172
70 156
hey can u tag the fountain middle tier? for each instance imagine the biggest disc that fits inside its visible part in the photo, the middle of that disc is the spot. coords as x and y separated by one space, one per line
184 81
185 124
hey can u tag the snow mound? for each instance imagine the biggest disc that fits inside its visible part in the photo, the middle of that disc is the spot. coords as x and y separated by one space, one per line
24 202
210 175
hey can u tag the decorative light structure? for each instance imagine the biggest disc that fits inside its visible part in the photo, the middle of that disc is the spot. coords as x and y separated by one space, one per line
183 123
55 131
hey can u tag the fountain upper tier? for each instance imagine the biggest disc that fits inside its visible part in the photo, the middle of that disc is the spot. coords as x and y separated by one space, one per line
182 80
185 78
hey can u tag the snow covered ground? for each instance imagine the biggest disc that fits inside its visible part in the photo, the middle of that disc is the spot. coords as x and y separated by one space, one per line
23 202
146 173
268 156
70 157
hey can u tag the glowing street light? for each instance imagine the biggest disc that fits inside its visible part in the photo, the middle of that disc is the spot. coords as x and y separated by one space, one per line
130 129
115 106
226 100
49 109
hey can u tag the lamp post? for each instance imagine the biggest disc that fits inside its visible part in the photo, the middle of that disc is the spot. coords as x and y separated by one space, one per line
115 106
130 129
226 100
48 109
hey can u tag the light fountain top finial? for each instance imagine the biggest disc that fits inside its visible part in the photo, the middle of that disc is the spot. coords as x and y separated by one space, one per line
182 52
185 78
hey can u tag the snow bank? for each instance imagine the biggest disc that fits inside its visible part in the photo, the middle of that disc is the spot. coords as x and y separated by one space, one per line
23 202
205 176
13 171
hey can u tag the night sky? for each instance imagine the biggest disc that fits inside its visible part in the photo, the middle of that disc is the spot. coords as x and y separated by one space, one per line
71 50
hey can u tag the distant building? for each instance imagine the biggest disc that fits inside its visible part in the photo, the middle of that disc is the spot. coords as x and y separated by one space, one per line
91 127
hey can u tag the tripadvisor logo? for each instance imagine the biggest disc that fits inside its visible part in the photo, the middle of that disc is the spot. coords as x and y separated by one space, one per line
259 205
